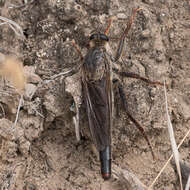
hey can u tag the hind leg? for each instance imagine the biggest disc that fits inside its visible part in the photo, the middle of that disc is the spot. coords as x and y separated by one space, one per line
123 98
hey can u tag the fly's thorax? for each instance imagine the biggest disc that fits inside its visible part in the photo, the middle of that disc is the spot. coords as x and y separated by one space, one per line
95 63
98 40
98 43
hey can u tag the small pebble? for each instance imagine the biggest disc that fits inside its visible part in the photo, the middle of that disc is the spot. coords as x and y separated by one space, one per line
121 16
145 33
171 36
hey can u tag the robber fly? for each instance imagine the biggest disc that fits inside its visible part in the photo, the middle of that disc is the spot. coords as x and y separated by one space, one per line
96 76
97 89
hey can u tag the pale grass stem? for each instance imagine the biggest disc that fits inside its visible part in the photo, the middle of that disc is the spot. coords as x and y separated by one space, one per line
187 187
18 110
168 161
172 140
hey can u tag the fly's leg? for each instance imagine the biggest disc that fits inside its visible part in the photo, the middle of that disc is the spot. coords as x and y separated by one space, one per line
109 26
136 76
120 49
125 105
78 49
122 38
124 100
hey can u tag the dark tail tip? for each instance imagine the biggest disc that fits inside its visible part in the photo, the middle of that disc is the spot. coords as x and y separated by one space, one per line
106 176
105 160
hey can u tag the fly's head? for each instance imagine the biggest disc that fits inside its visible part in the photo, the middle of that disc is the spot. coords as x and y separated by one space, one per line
98 40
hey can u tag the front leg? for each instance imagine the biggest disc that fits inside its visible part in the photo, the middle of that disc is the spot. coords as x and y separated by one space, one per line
123 36
126 31
123 98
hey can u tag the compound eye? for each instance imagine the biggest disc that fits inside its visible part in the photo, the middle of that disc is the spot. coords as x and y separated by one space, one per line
99 36
104 37
93 36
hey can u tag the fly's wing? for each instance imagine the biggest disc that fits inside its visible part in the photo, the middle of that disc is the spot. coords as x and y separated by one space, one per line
98 99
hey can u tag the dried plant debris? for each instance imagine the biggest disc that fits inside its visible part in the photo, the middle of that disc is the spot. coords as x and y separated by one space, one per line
13 25
18 76
129 180
187 187
31 76
185 171
73 86
168 161
12 70
13 141
172 139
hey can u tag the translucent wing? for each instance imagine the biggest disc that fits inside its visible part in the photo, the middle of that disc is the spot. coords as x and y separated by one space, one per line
98 97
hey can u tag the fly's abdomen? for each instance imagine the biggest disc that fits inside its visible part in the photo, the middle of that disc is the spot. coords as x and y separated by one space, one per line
105 161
